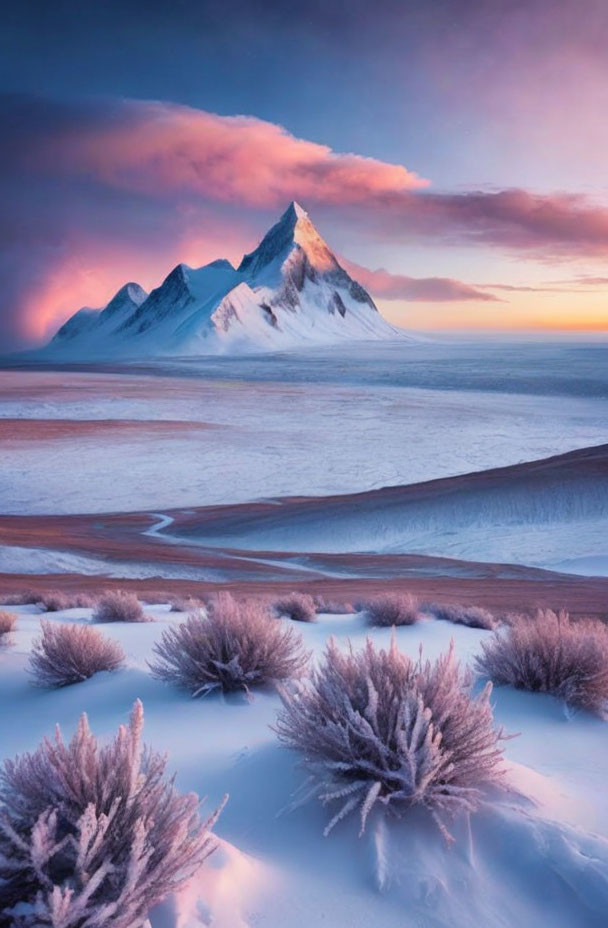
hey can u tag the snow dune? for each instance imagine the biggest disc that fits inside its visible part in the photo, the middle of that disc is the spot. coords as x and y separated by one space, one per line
539 513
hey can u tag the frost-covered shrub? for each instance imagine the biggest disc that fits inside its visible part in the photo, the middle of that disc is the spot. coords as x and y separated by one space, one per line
185 603
7 622
551 654
333 606
392 609
94 837
57 600
236 646
297 606
53 601
66 654
471 616
119 606
375 727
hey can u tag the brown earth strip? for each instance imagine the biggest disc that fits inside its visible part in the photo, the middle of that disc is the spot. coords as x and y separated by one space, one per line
35 430
580 596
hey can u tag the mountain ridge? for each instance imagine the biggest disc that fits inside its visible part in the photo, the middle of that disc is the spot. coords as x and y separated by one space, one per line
290 291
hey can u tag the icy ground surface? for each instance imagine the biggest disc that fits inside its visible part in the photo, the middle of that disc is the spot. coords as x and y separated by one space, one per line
536 855
315 424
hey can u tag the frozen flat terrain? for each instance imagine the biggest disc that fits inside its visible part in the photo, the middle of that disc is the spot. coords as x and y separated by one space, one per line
535 855
326 422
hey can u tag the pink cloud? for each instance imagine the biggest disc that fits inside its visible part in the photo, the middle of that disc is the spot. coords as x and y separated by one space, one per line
165 149
170 153
387 286
559 225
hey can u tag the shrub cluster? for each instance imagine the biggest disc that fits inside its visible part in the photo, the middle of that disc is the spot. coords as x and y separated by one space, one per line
552 654
66 654
237 645
297 606
57 600
119 606
375 727
392 609
471 616
27 598
93 837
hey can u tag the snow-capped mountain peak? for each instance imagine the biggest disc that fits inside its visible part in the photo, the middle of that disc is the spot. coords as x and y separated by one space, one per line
293 231
125 301
290 291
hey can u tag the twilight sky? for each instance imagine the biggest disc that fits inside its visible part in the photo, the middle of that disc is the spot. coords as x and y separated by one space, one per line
453 151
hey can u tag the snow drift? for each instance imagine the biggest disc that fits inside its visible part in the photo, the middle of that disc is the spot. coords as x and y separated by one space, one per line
549 513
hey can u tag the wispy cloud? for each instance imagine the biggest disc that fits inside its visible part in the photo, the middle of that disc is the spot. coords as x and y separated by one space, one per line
384 285
163 150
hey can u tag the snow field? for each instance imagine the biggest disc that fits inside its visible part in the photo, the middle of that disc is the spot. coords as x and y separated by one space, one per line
528 858
270 439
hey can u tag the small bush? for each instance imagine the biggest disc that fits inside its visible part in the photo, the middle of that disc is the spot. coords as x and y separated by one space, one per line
376 727
297 606
119 606
53 601
551 654
67 654
471 616
185 604
235 647
7 622
93 837
333 607
392 609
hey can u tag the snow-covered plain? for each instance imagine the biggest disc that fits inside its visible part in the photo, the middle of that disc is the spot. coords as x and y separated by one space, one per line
310 424
535 855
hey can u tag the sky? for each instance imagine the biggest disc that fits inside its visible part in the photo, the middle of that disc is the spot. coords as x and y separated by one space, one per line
451 152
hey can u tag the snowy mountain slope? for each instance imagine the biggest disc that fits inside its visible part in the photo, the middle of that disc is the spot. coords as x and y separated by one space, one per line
289 291
89 324
77 325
